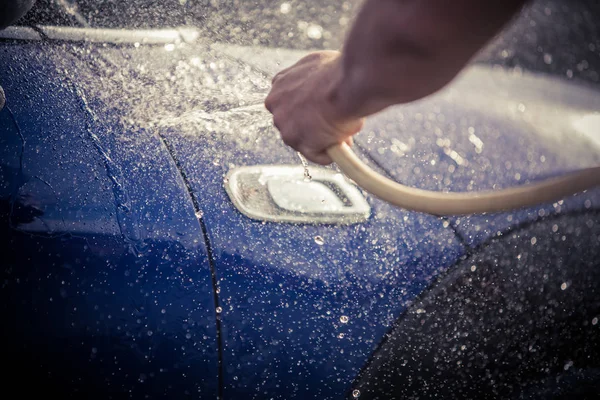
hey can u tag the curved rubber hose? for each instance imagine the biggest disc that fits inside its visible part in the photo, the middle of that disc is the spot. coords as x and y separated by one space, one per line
444 203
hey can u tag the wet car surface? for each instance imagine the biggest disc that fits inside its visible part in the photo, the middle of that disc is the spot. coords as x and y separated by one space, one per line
130 274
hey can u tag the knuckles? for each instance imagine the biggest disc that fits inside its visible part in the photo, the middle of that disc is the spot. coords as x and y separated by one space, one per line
277 122
287 103
269 104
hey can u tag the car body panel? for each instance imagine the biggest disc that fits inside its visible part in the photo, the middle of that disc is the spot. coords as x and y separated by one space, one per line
102 248
304 305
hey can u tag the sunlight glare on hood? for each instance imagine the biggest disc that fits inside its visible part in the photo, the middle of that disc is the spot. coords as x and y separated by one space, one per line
589 126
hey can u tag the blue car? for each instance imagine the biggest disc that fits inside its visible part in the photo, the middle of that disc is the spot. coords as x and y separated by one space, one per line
159 241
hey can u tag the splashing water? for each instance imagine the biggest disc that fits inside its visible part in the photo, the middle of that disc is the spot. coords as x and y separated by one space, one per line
307 176
252 117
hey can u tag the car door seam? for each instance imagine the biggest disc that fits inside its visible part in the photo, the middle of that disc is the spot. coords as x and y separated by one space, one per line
211 259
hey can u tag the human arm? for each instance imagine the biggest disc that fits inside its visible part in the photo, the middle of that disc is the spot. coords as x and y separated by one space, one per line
397 51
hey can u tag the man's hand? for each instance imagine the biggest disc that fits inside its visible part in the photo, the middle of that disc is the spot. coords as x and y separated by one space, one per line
303 103
396 52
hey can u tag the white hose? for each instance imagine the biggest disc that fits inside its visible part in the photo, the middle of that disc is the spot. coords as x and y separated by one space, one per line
444 203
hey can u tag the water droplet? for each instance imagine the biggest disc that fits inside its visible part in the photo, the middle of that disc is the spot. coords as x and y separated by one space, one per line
356 393
473 268
341 336
595 321
533 241
285 8
548 58
563 286
344 319
188 335
150 333
314 32
587 204
163 311
95 350
219 310
319 240
235 378
568 365
307 176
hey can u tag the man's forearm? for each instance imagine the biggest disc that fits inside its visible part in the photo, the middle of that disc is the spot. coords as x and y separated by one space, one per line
402 50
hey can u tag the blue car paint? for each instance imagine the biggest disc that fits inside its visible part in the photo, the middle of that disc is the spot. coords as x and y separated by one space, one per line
285 297
106 281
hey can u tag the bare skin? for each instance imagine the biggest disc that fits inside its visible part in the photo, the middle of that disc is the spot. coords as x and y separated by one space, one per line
397 51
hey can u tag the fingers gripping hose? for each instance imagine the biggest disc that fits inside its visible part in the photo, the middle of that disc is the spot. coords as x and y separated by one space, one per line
444 203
